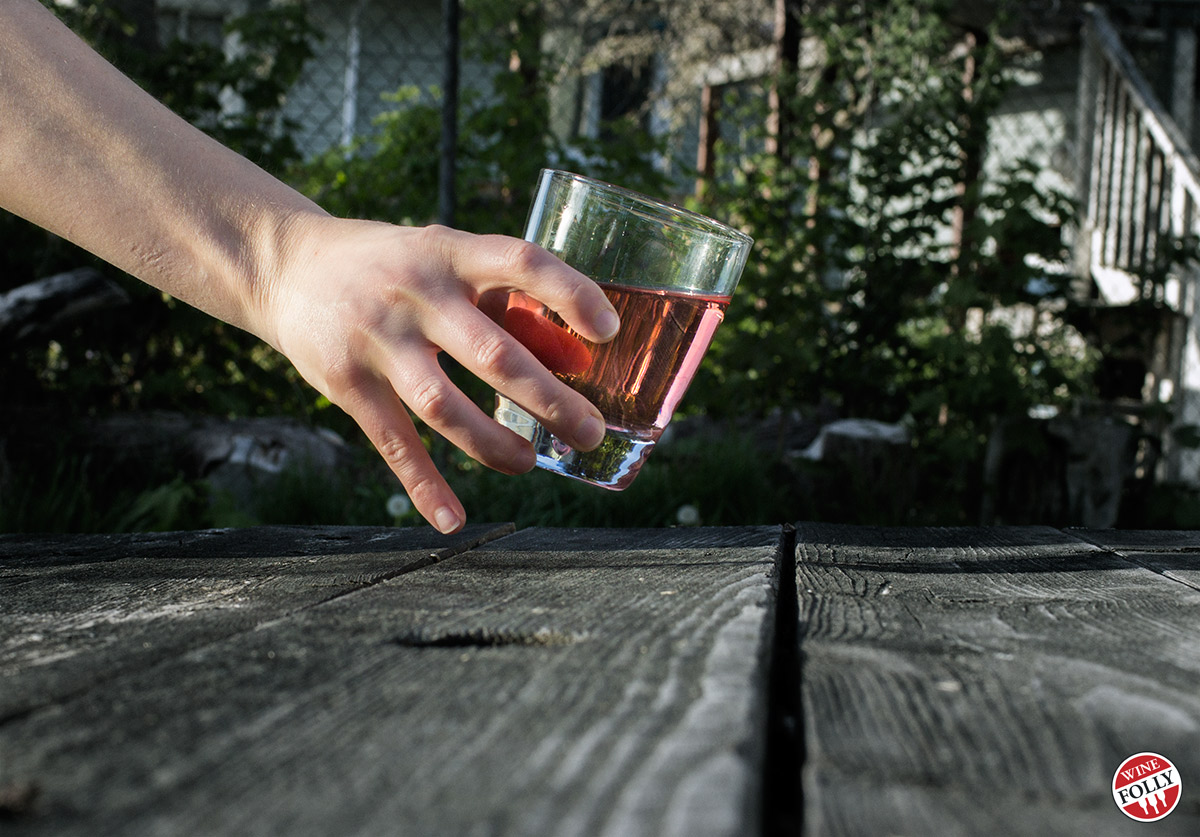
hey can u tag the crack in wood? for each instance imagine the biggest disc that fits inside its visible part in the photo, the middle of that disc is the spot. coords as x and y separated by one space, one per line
489 638
436 557
129 544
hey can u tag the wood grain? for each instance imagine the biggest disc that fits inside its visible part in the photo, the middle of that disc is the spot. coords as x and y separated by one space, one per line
1173 553
549 682
967 681
79 609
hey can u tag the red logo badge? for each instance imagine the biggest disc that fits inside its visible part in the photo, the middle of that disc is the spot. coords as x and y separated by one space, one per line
1146 787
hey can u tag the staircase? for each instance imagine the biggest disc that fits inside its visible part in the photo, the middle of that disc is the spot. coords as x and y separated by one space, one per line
1139 200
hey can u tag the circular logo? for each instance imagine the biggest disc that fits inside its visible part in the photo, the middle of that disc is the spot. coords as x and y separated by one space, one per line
1146 787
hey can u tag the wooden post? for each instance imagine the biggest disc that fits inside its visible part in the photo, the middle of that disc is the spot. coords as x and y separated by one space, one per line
787 61
1087 152
447 164
973 140
705 152
1183 80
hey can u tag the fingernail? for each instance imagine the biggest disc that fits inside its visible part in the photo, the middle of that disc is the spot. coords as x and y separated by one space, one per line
607 324
590 433
446 520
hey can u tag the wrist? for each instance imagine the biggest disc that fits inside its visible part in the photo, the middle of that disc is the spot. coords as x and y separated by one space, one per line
280 245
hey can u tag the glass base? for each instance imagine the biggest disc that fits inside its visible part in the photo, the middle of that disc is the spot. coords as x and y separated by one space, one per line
613 465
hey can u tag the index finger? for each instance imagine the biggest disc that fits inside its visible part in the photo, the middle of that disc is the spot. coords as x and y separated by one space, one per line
498 262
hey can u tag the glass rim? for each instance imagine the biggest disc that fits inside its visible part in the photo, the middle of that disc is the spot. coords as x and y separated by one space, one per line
660 206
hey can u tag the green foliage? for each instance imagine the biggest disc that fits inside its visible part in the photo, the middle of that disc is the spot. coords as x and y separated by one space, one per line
726 480
157 352
79 495
63 491
303 494
391 174
858 294
236 96
1167 506
75 493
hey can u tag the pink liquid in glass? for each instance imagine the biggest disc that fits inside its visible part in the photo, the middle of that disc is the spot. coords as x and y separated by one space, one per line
636 381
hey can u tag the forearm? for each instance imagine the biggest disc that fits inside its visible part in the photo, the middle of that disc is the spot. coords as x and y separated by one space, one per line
88 155
362 309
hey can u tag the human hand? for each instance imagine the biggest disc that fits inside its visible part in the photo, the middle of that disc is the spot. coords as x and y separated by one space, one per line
362 309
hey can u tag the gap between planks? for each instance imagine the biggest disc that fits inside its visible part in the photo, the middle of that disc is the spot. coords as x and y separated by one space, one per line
783 798
489 534
1149 556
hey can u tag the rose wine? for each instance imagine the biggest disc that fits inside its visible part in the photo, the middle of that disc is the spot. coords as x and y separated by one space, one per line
636 380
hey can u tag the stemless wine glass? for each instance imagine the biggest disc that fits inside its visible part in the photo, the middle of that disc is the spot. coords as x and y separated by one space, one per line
669 273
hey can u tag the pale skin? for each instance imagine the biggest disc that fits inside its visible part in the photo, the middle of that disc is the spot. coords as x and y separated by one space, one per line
362 309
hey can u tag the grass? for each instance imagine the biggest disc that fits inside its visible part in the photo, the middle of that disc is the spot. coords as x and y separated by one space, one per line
721 482
724 481
75 495
714 480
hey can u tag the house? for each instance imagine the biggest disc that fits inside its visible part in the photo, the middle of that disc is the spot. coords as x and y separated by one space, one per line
1138 186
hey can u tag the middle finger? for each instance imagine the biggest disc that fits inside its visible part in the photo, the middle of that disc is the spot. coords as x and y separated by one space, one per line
499 359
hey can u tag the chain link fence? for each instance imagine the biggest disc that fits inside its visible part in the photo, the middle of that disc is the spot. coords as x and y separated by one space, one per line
370 48
367 50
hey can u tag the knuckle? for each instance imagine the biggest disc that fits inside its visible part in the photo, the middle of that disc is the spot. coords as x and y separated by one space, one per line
397 450
433 237
345 377
431 400
495 355
521 258
434 245
555 414
574 295
422 490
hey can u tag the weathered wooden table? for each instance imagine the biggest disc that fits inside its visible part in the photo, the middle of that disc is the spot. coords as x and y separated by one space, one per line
830 680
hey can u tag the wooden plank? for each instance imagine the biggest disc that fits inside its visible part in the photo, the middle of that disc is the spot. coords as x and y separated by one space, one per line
82 609
1173 553
551 682
967 681
1127 196
1141 201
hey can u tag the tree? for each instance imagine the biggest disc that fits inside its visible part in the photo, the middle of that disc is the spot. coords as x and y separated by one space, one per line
156 352
890 279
